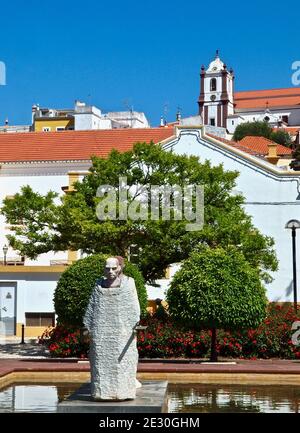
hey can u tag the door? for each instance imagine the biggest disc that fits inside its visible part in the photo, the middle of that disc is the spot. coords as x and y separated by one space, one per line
7 309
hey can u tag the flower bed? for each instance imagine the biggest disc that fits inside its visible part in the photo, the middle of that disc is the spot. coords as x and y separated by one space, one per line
164 339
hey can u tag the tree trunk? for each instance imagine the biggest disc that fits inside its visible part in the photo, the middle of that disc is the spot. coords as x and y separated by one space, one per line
213 352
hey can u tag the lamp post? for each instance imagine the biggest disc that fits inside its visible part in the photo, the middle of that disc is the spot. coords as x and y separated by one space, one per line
294 225
5 249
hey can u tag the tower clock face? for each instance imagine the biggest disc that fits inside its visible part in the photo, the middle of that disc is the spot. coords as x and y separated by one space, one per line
214 68
213 97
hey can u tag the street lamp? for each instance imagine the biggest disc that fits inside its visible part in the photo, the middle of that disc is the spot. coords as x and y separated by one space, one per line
5 249
294 225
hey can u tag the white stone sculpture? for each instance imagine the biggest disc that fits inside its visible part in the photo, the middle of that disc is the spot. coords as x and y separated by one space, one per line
111 316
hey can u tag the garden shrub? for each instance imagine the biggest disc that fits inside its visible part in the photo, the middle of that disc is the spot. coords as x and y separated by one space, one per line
165 339
75 285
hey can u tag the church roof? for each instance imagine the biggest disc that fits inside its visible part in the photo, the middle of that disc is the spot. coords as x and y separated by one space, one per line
216 65
267 98
74 145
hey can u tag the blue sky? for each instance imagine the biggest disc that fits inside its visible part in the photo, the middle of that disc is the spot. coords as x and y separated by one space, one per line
141 54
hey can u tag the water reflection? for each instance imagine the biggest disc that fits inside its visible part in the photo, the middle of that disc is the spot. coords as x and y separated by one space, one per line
186 398
34 397
233 398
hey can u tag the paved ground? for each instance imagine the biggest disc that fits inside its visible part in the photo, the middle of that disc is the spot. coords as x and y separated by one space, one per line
13 349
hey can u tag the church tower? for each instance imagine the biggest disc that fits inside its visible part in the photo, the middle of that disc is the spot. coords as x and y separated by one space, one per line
216 93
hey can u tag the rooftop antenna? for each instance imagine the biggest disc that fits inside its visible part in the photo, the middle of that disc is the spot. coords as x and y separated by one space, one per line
217 54
129 107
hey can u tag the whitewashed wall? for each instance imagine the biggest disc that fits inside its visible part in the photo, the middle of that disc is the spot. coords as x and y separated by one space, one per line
271 199
34 291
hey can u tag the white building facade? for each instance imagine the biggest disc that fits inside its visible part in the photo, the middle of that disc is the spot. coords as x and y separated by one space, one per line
272 198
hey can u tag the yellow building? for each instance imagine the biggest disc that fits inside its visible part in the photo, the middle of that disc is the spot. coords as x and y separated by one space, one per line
52 120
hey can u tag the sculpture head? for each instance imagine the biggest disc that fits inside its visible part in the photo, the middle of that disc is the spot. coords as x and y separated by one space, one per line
113 268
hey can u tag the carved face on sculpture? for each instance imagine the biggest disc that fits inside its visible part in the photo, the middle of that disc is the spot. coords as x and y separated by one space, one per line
112 269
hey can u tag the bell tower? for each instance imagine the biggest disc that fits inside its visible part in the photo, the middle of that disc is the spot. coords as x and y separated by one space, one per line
216 93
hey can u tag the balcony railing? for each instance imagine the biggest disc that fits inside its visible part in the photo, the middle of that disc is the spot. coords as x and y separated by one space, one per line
12 261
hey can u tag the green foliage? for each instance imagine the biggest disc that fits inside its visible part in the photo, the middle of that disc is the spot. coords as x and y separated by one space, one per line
262 129
281 137
167 339
296 153
272 339
217 288
73 223
76 283
34 220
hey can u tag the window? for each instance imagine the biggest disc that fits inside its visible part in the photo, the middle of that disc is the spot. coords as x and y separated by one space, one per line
212 121
232 122
213 85
40 319
285 119
60 128
46 129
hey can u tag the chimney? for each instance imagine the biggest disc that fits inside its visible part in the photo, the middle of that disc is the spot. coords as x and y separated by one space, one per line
272 156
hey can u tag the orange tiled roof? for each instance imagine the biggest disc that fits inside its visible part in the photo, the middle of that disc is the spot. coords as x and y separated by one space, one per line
289 129
270 98
74 145
234 144
253 145
260 145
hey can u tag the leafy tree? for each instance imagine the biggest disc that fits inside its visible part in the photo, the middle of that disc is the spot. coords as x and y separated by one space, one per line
262 129
295 164
217 288
42 223
75 285
281 137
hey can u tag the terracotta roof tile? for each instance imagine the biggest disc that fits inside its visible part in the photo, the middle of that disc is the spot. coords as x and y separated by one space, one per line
270 98
74 145
260 145
254 145
292 130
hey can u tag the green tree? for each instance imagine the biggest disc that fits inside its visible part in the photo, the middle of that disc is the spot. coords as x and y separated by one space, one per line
262 129
217 288
75 285
281 137
42 223
295 164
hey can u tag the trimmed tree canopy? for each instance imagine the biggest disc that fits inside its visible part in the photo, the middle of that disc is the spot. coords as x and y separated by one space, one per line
76 283
217 288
